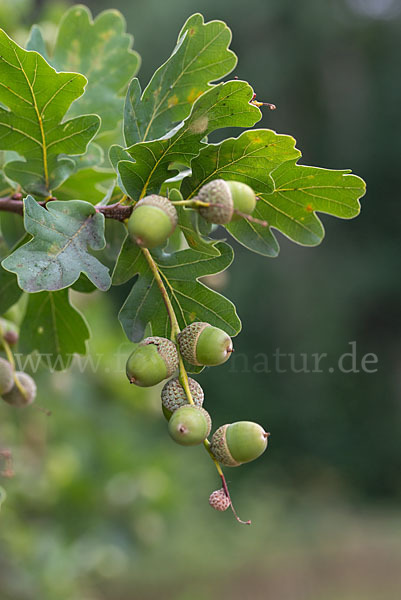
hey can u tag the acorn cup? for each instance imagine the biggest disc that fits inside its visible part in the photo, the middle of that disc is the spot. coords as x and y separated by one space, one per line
152 221
153 359
19 398
9 332
189 425
221 208
219 500
202 344
237 443
173 395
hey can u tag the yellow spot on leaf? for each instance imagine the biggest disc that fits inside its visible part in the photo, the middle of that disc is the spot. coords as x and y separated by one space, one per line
53 249
173 101
193 95
106 35
309 207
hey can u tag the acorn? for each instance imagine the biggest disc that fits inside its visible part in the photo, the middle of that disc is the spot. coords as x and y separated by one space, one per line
6 376
189 425
237 443
154 359
152 221
218 194
173 395
244 199
9 331
219 500
202 344
15 396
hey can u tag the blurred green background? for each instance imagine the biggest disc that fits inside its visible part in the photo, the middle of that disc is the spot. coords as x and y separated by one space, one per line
103 505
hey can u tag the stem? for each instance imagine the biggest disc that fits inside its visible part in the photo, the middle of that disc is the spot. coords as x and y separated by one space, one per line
207 444
183 375
117 211
192 203
175 328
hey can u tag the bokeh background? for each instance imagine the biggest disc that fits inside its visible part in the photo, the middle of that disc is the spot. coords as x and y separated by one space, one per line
103 505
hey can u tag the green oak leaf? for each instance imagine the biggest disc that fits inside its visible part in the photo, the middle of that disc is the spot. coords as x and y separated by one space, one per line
54 328
36 100
9 290
91 184
101 50
299 192
224 105
126 265
89 180
62 233
11 228
192 300
289 194
188 222
200 57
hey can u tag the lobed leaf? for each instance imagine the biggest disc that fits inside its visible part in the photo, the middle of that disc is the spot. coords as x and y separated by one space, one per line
62 233
101 50
34 101
9 290
192 300
224 105
200 57
299 192
54 328
289 194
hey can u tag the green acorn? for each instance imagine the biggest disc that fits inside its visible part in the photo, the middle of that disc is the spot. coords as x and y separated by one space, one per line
152 221
154 359
16 397
189 425
244 198
173 395
218 194
6 376
219 500
238 443
202 344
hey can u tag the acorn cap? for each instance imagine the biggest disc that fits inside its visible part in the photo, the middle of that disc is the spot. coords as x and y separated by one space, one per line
6 376
167 350
217 193
187 340
220 449
15 397
9 331
173 395
160 202
219 500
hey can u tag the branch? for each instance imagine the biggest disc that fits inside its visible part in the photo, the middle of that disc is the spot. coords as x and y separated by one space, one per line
183 375
15 204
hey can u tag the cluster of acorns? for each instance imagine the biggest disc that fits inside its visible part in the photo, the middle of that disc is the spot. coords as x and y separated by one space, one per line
154 359
16 387
155 218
